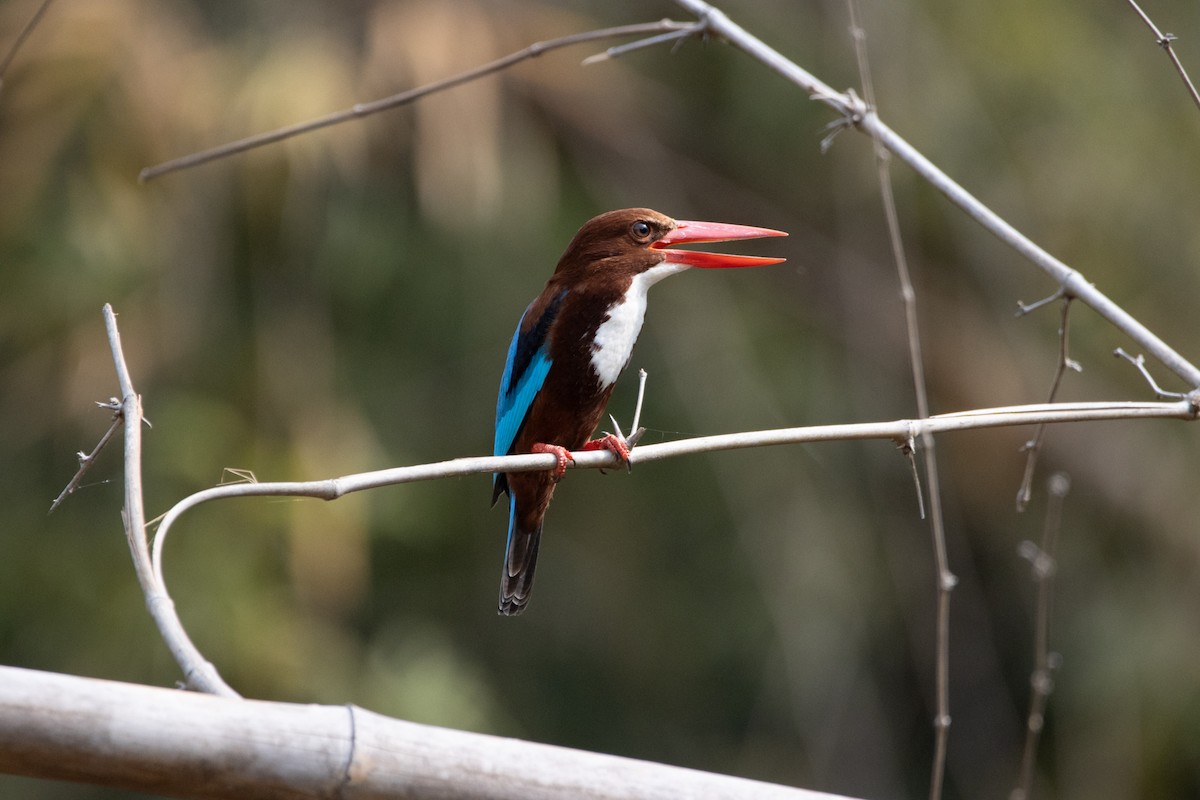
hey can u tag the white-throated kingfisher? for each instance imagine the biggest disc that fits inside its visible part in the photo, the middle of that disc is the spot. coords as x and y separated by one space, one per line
570 346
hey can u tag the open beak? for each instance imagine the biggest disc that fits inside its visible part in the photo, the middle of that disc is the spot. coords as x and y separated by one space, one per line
688 231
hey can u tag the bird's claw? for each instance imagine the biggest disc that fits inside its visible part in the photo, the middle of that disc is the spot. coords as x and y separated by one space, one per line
617 444
561 453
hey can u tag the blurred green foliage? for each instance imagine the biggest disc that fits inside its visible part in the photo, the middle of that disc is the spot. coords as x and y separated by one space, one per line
342 302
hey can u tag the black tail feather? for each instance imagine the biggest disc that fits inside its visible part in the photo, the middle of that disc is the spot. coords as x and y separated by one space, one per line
516 577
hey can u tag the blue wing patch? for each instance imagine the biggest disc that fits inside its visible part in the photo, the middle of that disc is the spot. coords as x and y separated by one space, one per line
524 373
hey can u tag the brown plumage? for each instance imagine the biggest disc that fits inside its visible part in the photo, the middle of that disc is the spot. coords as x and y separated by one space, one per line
573 341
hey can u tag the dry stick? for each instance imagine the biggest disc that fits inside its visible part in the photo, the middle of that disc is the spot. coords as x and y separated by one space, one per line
899 431
945 578
1041 680
203 676
679 29
20 40
858 114
1164 40
198 673
1140 362
1065 362
87 459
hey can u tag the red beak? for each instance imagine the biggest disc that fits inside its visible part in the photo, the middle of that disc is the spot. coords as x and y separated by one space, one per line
688 231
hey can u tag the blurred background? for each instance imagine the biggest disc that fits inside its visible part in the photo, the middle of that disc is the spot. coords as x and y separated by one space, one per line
343 302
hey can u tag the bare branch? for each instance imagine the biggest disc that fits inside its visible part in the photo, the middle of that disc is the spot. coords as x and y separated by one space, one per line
637 409
1041 680
20 40
1028 308
198 673
1164 40
865 119
901 431
1140 362
621 49
945 578
675 29
1034 445
87 459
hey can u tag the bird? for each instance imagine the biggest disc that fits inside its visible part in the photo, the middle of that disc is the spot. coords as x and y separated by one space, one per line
570 346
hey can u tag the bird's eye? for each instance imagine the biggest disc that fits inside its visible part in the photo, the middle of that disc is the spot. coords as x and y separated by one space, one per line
640 230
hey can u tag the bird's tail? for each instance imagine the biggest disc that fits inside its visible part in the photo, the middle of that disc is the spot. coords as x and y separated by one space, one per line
520 558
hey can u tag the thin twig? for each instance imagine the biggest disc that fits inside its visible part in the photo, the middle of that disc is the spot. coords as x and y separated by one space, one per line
198 672
622 49
1041 680
865 119
403 98
1140 362
1028 308
897 431
945 578
1164 40
20 40
635 431
87 459
638 430
1065 362
909 449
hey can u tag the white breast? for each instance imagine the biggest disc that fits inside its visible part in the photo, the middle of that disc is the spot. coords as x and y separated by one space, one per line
617 333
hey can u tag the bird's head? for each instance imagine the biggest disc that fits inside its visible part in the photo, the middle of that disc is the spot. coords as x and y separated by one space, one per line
633 240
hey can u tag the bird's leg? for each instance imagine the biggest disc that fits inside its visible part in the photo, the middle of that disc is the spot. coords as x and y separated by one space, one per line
560 452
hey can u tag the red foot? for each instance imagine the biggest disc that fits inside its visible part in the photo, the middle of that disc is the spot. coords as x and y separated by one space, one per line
562 453
613 443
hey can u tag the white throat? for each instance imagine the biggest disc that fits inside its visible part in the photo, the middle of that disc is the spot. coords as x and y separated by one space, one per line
616 335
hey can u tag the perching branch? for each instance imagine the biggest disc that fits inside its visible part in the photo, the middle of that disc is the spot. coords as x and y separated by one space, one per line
670 30
858 114
902 431
1164 40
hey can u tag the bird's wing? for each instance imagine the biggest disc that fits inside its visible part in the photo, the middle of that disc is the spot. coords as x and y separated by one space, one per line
524 371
